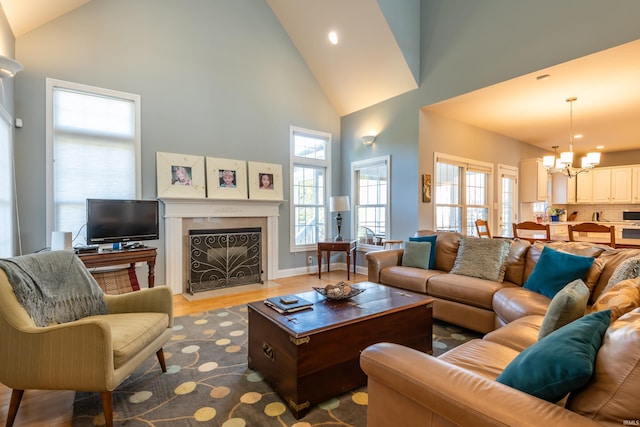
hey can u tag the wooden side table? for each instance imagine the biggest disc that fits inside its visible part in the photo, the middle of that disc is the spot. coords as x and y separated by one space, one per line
348 246
126 256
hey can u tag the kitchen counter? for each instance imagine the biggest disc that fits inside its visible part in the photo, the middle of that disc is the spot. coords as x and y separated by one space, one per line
560 231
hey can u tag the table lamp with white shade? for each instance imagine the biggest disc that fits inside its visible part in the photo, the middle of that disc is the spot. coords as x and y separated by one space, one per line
339 204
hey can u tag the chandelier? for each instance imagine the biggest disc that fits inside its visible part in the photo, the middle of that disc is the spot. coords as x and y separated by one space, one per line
564 163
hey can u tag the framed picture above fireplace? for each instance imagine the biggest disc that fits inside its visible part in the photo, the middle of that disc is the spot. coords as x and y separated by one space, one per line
265 181
226 178
180 175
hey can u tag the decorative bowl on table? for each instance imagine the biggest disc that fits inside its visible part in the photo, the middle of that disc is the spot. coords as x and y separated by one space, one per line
338 292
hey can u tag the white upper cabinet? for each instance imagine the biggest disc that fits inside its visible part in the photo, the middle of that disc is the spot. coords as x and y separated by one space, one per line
621 185
533 181
584 193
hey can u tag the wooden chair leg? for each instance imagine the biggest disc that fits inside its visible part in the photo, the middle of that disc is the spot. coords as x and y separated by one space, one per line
163 364
107 408
16 398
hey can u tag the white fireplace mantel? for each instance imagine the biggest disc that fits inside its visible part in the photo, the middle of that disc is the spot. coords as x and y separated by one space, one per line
176 210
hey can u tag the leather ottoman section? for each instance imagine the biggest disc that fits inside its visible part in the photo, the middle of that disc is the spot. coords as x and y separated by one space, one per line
466 316
513 303
409 278
467 290
519 334
485 358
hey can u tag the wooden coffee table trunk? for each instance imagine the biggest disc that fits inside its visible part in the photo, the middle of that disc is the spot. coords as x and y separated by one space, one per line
313 355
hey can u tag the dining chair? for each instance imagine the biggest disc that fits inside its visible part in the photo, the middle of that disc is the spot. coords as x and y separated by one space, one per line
591 228
532 227
482 227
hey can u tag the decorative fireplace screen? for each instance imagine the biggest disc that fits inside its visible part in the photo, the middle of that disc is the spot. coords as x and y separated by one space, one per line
224 258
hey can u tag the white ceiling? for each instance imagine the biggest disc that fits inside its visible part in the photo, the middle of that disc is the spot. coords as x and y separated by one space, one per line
367 67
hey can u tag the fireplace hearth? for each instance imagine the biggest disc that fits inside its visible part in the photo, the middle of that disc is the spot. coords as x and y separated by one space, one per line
224 258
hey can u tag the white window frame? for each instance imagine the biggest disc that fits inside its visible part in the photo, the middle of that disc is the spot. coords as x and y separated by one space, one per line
355 167
51 85
466 164
305 161
7 188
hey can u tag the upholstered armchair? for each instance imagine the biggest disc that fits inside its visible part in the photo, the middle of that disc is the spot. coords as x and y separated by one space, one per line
92 354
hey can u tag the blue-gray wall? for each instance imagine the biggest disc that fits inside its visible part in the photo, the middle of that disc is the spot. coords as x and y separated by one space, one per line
216 78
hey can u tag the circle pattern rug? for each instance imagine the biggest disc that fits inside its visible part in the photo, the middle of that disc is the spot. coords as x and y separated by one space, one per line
208 383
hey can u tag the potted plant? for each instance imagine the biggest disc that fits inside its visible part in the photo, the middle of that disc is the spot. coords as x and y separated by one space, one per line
555 213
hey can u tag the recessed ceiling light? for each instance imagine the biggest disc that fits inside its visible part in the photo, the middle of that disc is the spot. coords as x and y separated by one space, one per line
578 136
333 37
599 147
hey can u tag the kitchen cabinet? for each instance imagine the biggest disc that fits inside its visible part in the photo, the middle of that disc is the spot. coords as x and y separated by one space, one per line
635 185
612 185
533 181
563 189
584 193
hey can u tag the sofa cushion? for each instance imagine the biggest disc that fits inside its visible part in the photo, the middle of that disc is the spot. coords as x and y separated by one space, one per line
611 395
555 269
466 290
409 278
482 258
515 302
446 248
416 254
576 248
612 258
516 261
566 306
621 298
561 362
431 239
593 275
485 358
517 335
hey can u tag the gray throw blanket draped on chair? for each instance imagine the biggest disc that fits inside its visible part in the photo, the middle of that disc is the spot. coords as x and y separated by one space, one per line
54 287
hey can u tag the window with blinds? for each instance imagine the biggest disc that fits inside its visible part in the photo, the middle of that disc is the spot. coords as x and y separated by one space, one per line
6 187
462 193
93 138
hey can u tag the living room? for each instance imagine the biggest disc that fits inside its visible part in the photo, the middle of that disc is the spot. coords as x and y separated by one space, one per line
223 79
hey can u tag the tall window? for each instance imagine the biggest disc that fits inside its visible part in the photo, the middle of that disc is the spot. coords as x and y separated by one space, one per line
6 187
93 151
462 193
371 186
310 169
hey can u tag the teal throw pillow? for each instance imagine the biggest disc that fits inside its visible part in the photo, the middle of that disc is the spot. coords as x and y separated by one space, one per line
432 240
555 269
561 362
568 305
416 254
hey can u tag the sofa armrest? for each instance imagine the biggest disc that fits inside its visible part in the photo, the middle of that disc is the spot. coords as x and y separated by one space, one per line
378 260
405 385
153 300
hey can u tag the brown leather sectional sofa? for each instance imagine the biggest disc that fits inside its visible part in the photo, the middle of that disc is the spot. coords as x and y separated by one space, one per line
407 387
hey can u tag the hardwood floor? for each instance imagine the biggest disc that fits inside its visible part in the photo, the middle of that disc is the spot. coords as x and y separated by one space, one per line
55 408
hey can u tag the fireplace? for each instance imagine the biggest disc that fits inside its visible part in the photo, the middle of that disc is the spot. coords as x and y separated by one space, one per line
182 215
224 258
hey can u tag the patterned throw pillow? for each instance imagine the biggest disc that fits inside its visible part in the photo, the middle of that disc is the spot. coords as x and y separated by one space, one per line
482 258
627 269
621 298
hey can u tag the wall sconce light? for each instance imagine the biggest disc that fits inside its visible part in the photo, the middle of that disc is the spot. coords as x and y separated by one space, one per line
368 139
9 67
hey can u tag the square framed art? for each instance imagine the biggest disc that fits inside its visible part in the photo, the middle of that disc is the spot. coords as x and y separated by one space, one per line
180 175
226 178
265 181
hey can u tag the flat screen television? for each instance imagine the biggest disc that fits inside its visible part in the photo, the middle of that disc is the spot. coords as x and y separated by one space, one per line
117 221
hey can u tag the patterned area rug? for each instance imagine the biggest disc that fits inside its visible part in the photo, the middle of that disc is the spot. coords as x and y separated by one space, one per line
208 382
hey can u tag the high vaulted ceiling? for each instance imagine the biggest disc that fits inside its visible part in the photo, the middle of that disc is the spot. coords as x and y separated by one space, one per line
368 67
